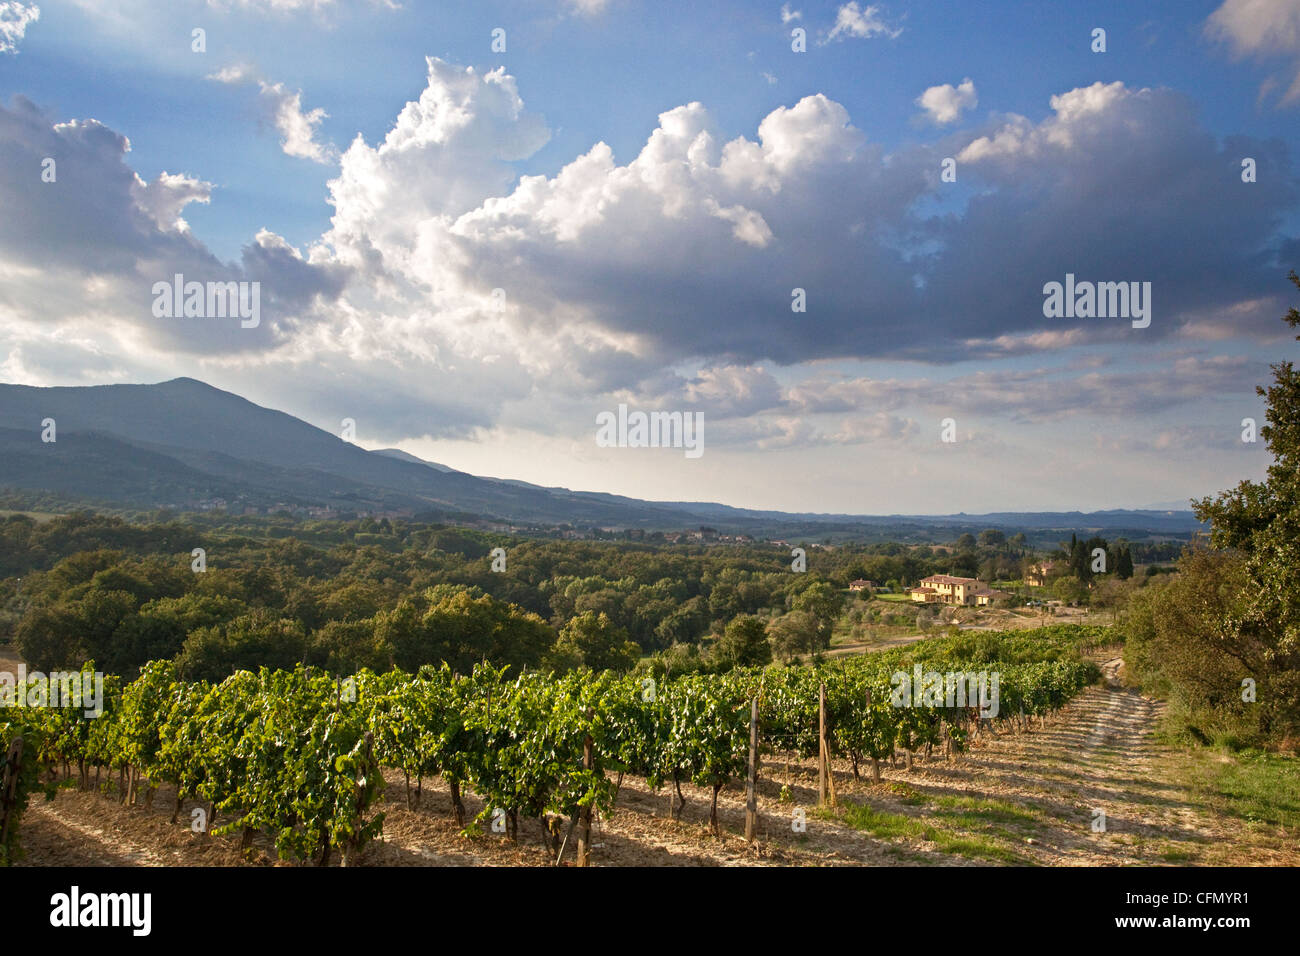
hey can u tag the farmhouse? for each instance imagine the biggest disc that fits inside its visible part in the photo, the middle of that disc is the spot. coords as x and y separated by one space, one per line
861 585
947 589
1037 574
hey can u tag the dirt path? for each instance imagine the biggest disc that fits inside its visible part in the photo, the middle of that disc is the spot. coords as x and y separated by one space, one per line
50 827
1035 798
1090 787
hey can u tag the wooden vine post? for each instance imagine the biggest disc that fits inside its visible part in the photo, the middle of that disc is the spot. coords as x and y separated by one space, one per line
751 782
825 779
584 820
9 772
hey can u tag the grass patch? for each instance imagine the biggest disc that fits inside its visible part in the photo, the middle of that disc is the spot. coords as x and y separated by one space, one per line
1253 786
981 810
889 826
967 811
1178 855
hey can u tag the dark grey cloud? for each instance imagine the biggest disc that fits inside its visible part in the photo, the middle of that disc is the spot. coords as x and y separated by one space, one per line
99 238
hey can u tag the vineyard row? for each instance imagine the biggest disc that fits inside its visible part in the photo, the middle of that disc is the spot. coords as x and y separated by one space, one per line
297 755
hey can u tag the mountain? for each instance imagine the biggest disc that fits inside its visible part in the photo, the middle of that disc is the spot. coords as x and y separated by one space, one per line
1177 504
187 445
183 442
406 456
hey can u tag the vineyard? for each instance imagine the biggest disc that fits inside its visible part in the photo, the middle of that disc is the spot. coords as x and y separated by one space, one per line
297 755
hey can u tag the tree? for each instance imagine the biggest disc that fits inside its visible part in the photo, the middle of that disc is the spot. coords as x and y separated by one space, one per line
675 661
1081 557
1111 594
824 602
256 639
965 564
1182 646
744 643
1072 551
344 647
50 637
101 615
798 632
724 601
1069 589
464 626
992 538
1124 564
685 625
966 543
1262 521
594 641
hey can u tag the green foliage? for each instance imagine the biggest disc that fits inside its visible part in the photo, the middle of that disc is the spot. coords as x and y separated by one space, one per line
592 640
1261 520
255 639
296 753
27 783
743 643
796 633
1124 563
1181 645
824 602
359 591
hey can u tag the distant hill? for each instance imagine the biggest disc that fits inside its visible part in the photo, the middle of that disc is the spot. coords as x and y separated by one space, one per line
185 444
406 456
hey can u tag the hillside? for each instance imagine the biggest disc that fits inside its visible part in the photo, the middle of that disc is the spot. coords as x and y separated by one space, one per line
187 445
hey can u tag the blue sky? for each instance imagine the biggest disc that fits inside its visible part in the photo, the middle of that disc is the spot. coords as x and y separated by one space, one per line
599 77
663 281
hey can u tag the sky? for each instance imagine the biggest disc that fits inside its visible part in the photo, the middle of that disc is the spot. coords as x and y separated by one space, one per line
477 227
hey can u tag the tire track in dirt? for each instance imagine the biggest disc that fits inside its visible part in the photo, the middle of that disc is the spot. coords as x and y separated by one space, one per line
1126 721
1097 757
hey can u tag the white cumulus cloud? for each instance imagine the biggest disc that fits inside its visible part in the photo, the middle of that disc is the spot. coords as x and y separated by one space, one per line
861 23
664 275
587 8
1262 29
165 198
945 104
14 18
297 128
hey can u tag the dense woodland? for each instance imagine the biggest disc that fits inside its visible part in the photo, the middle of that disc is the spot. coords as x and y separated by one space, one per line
380 594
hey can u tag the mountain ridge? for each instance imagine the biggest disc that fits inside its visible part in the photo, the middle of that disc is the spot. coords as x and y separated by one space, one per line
186 443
